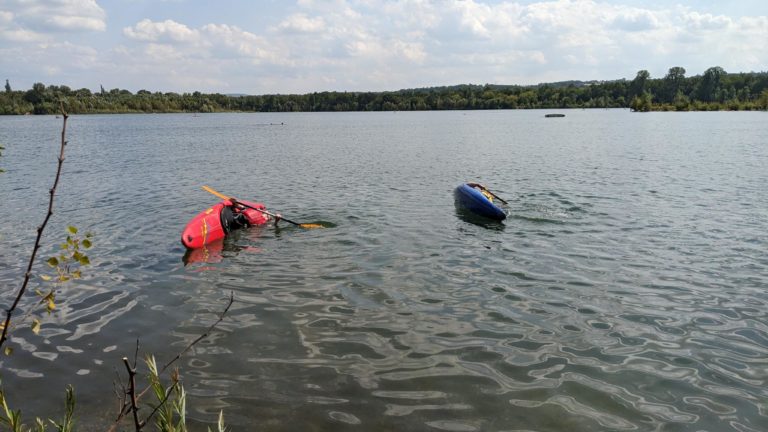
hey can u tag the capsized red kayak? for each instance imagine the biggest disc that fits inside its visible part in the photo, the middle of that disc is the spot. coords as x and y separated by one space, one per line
216 222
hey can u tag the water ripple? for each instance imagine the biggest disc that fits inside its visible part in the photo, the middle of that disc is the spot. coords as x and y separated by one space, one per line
626 291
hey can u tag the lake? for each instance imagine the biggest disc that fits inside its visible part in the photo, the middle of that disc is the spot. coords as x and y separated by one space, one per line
625 291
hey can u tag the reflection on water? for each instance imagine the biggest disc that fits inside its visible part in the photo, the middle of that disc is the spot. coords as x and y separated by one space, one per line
475 219
625 291
209 253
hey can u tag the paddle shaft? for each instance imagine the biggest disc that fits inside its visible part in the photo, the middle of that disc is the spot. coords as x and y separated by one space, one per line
496 196
492 194
235 201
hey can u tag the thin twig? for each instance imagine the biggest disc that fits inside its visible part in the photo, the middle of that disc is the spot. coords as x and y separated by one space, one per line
126 408
132 390
122 400
28 273
202 336
162 402
136 353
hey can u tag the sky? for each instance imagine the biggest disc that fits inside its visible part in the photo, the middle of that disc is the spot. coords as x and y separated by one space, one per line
304 46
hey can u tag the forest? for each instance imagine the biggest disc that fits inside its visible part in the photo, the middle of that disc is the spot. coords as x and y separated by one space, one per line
715 89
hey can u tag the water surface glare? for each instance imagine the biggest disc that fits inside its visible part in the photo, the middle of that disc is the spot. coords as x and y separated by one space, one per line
625 292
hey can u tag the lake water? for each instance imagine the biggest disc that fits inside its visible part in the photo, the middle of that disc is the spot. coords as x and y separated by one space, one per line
626 291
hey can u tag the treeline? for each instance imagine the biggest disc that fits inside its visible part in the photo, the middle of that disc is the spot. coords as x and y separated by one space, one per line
713 90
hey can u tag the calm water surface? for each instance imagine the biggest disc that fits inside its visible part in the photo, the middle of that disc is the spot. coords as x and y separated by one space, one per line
626 291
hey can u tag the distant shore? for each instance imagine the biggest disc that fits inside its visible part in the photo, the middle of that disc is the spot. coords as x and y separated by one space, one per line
715 90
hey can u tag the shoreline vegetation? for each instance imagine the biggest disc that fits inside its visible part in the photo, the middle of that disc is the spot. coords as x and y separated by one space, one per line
714 90
167 413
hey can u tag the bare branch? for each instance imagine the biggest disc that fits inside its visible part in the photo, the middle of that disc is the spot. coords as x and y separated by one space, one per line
121 393
204 335
132 394
162 402
136 354
40 229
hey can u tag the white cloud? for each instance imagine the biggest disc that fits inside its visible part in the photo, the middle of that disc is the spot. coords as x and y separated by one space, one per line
162 53
53 62
470 40
56 15
231 41
707 21
220 41
475 18
20 35
301 23
76 23
313 45
408 50
635 20
165 31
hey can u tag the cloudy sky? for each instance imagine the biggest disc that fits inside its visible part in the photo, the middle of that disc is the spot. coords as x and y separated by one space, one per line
301 46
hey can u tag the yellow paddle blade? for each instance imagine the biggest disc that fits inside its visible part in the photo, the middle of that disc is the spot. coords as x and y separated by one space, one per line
311 225
218 194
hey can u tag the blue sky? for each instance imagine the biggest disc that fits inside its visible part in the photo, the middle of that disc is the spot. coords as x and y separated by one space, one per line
271 46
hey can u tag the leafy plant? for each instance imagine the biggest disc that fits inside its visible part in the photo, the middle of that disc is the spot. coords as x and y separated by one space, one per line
170 407
68 265
71 259
170 416
12 419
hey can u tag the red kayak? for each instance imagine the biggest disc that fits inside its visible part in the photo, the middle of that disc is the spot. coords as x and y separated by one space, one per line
216 222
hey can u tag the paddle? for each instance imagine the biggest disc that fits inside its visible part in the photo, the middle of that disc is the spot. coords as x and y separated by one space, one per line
492 194
235 201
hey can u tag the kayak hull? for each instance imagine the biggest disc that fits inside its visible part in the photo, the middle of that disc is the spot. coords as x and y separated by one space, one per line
209 225
468 198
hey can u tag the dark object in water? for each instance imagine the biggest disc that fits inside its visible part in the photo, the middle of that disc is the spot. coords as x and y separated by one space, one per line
470 198
554 115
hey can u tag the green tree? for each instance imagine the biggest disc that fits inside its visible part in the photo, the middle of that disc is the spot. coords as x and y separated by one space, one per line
709 84
638 85
672 82
641 103
7 87
762 102
681 102
35 95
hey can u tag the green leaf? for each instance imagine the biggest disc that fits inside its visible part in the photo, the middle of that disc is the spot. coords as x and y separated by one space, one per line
8 350
87 243
76 274
45 277
84 260
36 326
64 246
72 229
53 262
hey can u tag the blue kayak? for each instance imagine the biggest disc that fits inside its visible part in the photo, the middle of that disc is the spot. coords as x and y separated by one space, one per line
473 200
